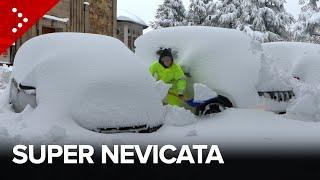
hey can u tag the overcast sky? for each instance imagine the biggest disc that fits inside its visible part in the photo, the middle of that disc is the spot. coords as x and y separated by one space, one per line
146 9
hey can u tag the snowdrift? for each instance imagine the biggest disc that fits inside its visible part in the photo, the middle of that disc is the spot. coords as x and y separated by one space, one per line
306 106
93 78
225 60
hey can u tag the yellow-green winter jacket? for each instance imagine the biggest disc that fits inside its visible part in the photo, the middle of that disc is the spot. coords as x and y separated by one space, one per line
173 75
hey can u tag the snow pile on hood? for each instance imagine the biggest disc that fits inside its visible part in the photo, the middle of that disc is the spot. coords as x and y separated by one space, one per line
306 106
286 54
226 60
177 116
162 88
307 69
93 78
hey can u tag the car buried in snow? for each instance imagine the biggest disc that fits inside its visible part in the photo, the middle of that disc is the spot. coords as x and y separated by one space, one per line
300 60
226 60
69 75
82 76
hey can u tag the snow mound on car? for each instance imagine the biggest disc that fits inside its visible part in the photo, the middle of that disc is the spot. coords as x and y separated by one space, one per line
285 54
307 69
225 60
306 106
93 78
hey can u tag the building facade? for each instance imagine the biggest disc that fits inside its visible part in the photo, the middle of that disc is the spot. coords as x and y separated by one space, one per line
87 16
129 28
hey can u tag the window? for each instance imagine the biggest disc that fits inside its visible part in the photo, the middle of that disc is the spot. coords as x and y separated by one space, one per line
47 30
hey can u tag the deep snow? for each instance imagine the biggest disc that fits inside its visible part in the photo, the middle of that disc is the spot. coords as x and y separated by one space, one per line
113 90
202 52
234 129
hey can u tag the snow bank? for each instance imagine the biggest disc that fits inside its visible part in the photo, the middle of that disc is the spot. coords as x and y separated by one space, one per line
93 78
177 116
307 69
306 106
225 60
286 54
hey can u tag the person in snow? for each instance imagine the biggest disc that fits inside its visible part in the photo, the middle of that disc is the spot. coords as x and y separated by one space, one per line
170 73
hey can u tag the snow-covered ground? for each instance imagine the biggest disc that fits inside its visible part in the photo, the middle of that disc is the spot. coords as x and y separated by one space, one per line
61 119
239 130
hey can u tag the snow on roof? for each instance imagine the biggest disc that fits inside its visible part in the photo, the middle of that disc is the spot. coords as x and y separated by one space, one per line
64 20
124 15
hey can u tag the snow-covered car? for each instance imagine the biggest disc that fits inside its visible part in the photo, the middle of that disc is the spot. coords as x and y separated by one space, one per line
307 69
94 79
226 60
300 60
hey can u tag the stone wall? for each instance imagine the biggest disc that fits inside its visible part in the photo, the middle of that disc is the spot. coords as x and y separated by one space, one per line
102 17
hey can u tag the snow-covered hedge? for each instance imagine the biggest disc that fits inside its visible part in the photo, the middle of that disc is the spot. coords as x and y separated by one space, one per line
225 60
307 104
93 78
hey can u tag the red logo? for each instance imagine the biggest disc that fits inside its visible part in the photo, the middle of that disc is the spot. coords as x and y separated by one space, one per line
18 16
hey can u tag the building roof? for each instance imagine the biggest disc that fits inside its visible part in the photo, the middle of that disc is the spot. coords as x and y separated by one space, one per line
126 16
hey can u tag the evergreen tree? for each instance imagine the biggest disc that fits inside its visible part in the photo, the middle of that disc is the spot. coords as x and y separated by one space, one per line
170 13
225 14
198 11
263 20
267 20
308 24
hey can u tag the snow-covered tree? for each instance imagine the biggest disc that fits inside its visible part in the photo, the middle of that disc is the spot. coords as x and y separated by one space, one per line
198 11
266 20
307 27
170 13
225 14
263 20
